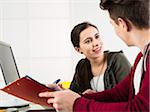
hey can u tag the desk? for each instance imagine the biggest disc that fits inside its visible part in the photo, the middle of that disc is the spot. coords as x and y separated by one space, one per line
6 98
31 108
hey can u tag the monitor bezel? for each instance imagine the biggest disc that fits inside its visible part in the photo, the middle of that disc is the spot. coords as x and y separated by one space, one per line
7 45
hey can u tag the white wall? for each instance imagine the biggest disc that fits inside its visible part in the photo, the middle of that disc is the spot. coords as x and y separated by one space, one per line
39 32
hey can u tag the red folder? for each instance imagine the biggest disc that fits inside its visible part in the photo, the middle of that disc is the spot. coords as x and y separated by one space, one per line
28 89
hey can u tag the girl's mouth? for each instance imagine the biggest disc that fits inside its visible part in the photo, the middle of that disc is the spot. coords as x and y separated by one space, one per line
97 50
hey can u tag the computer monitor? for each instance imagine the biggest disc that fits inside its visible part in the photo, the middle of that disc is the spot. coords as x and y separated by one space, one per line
10 73
7 63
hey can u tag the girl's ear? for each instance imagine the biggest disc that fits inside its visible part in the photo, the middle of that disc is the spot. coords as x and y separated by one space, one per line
78 50
123 24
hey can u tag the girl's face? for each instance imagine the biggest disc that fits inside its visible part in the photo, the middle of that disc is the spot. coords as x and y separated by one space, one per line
90 44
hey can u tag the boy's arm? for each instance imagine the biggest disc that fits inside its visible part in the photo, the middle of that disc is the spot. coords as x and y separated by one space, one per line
114 94
117 99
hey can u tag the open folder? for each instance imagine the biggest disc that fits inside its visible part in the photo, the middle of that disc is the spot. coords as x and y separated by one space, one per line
28 89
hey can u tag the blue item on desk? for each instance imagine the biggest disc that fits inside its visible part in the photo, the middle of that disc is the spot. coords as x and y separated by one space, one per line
56 81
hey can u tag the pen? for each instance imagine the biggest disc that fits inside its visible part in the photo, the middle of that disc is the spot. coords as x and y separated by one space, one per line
56 81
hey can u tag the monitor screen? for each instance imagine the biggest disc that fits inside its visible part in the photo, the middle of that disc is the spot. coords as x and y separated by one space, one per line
2 82
7 63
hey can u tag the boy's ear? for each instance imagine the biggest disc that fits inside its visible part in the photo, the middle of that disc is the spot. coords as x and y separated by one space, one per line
124 24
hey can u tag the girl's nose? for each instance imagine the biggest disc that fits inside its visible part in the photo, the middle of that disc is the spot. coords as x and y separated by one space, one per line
95 43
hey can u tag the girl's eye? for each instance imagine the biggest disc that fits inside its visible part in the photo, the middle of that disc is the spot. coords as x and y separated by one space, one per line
88 41
97 36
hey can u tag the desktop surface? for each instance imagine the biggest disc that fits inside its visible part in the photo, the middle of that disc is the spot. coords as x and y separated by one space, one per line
30 108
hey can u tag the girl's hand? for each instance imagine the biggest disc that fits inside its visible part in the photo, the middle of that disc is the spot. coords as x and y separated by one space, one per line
57 87
89 91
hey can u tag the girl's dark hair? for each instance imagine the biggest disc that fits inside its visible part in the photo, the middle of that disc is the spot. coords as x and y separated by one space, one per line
136 11
75 33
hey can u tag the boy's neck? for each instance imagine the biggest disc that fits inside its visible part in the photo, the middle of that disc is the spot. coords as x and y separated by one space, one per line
142 38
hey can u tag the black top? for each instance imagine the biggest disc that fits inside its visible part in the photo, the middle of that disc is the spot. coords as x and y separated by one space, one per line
117 69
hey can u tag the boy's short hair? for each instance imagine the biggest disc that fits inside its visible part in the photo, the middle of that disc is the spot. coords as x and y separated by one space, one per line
135 11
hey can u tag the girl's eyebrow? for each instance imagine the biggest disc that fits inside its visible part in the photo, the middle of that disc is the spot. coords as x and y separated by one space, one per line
96 34
90 37
87 39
